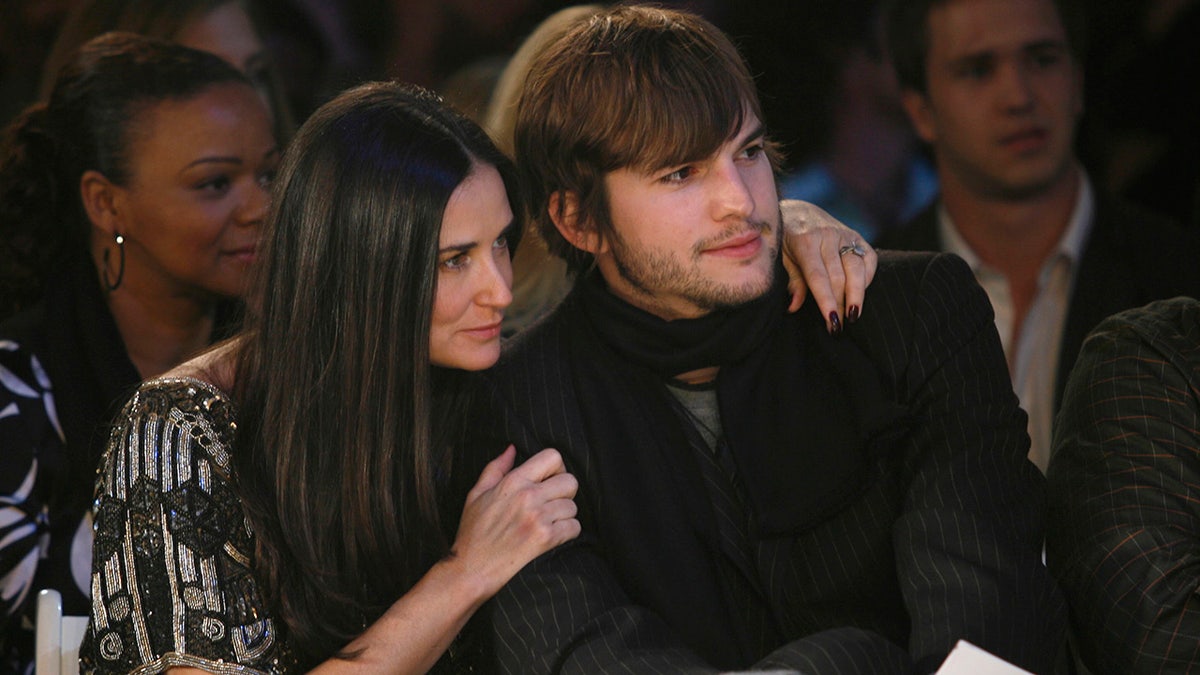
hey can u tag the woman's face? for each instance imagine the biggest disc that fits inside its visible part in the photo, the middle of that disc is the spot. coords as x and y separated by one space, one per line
474 282
227 32
193 207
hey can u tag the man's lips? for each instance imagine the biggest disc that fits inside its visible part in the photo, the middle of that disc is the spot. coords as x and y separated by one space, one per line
741 246
1026 139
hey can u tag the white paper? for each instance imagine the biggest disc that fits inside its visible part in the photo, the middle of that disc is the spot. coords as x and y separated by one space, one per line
967 659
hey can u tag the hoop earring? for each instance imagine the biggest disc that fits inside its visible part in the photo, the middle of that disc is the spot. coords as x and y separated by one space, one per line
113 285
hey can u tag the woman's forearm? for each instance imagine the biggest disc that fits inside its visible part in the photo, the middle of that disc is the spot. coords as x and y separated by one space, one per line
418 628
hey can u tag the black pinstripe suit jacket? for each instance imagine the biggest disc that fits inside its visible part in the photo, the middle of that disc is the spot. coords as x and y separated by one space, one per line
1124 489
942 541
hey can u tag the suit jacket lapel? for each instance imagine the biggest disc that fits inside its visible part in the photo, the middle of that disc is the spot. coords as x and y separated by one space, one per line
1104 284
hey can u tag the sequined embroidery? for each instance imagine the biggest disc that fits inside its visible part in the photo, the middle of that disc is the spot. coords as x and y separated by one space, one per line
172 572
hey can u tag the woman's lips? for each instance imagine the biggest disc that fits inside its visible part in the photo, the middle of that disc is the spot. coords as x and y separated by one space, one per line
488 332
246 254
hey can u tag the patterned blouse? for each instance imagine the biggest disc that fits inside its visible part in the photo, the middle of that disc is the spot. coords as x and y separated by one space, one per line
63 373
171 570
45 538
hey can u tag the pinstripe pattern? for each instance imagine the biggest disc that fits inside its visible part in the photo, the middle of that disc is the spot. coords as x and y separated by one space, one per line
736 566
1125 492
942 543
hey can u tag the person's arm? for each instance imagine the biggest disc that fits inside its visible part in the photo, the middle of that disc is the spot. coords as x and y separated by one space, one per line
566 613
511 516
167 544
825 257
968 540
1124 484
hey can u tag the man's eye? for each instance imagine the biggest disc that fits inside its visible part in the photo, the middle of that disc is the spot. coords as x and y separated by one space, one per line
1045 59
975 70
678 175
753 151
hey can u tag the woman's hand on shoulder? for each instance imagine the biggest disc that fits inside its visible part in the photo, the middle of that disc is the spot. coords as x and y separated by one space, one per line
513 515
827 258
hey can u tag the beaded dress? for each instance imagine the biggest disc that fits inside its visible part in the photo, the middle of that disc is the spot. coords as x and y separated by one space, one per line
172 581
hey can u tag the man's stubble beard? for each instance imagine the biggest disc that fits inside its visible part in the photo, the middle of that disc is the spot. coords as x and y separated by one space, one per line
651 273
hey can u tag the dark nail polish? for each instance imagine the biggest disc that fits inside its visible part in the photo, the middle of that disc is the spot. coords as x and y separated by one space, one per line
852 314
835 324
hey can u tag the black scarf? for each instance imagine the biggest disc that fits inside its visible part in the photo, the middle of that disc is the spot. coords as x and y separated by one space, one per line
801 411
790 396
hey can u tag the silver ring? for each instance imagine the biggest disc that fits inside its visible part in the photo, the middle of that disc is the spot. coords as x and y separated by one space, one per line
853 247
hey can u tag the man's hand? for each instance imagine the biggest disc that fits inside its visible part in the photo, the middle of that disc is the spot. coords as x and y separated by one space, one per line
827 258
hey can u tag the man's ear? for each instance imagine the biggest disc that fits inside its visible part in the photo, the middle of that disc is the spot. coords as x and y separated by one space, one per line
101 201
920 114
564 212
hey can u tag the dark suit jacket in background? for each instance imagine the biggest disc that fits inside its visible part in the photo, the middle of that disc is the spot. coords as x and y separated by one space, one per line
1124 489
1132 257
941 541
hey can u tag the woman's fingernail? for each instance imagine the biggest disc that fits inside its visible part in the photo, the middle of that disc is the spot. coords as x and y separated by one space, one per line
835 324
852 314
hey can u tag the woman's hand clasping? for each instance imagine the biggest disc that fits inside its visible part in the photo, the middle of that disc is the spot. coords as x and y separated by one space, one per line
514 515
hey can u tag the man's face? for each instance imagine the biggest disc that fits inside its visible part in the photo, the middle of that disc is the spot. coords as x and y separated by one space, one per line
1003 97
689 239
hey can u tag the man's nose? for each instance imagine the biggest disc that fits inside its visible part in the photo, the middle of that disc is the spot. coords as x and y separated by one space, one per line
732 196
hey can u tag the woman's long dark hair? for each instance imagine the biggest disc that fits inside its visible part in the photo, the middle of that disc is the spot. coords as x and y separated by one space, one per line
338 458
87 124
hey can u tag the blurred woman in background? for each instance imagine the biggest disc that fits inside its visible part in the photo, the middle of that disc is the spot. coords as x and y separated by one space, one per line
223 27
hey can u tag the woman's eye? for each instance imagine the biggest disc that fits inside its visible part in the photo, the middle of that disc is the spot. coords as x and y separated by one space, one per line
218 184
753 151
456 262
259 76
266 178
501 242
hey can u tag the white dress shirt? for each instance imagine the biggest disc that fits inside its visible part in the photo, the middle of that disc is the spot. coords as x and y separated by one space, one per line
1033 354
